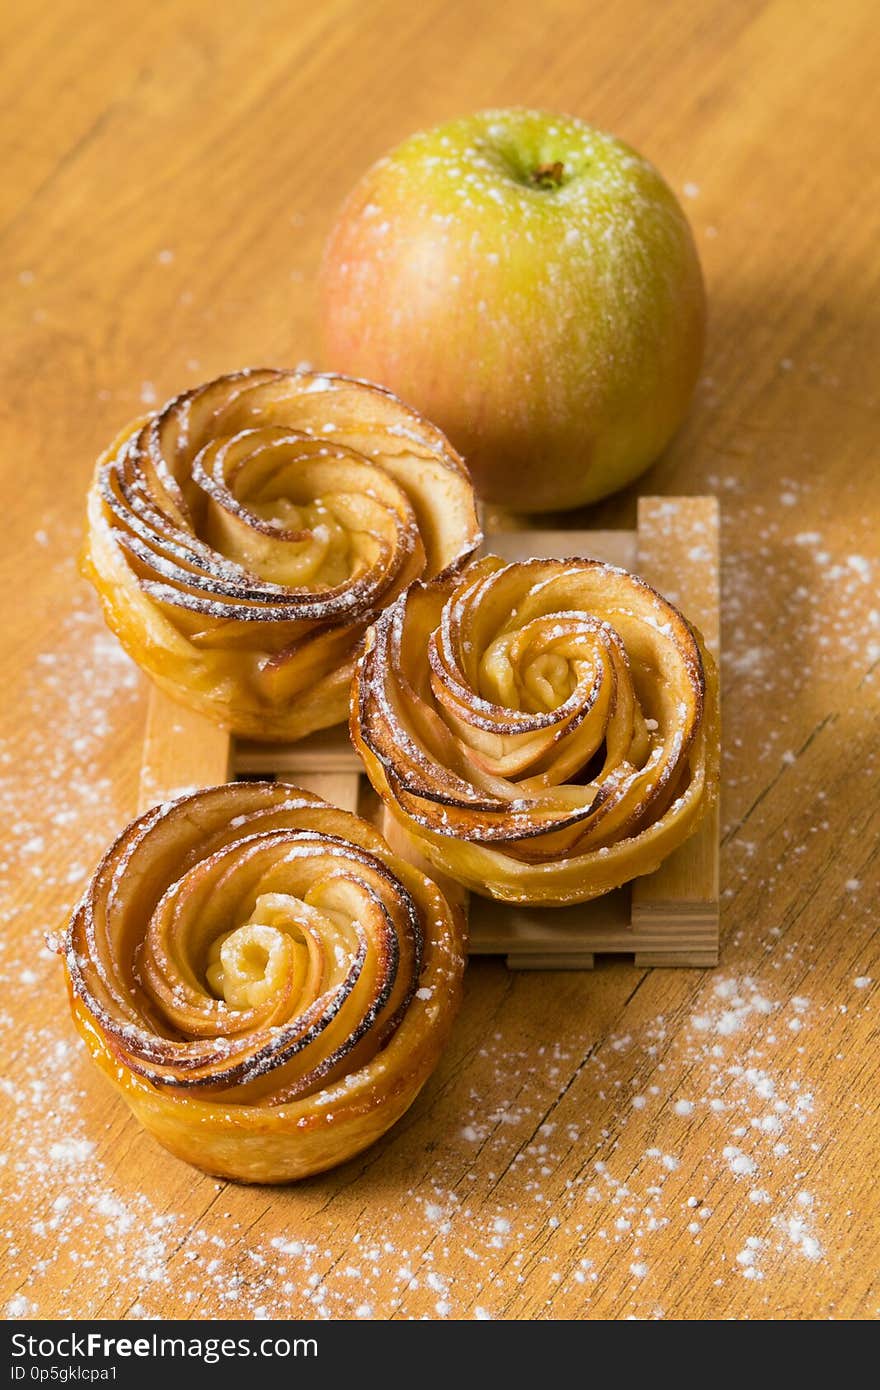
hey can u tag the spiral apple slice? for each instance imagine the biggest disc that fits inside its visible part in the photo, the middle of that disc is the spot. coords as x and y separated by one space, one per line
244 536
541 729
264 981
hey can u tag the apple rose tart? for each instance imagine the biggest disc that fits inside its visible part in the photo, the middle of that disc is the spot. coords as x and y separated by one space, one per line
264 981
244 536
545 731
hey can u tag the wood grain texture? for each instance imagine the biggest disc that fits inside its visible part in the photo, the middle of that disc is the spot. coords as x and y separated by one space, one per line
182 750
625 1143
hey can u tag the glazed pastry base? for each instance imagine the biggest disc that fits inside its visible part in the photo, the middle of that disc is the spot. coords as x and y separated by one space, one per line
252 1144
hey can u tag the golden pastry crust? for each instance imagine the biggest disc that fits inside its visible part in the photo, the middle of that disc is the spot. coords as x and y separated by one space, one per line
264 981
546 730
243 537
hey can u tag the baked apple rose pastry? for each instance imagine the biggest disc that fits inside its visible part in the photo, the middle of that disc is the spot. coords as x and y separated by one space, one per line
544 730
264 981
244 536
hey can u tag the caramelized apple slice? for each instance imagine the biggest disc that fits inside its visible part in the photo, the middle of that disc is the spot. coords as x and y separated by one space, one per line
266 983
541 729
243 537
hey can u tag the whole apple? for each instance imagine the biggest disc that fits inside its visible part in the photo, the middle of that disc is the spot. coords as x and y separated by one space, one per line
532 285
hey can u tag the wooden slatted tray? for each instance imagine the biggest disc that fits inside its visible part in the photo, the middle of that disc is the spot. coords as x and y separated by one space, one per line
670 917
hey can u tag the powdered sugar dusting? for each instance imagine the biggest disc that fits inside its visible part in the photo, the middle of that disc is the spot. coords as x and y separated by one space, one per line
543 1167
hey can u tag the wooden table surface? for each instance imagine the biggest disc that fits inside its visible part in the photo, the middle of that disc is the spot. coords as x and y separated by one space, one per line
626 1143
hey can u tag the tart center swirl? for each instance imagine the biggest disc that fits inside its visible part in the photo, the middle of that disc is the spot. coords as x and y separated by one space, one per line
244 536
526 720
276 956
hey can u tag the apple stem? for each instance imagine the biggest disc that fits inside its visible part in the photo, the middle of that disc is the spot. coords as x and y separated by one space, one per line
548 175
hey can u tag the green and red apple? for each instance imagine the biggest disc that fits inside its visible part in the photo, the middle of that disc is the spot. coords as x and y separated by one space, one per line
532 285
